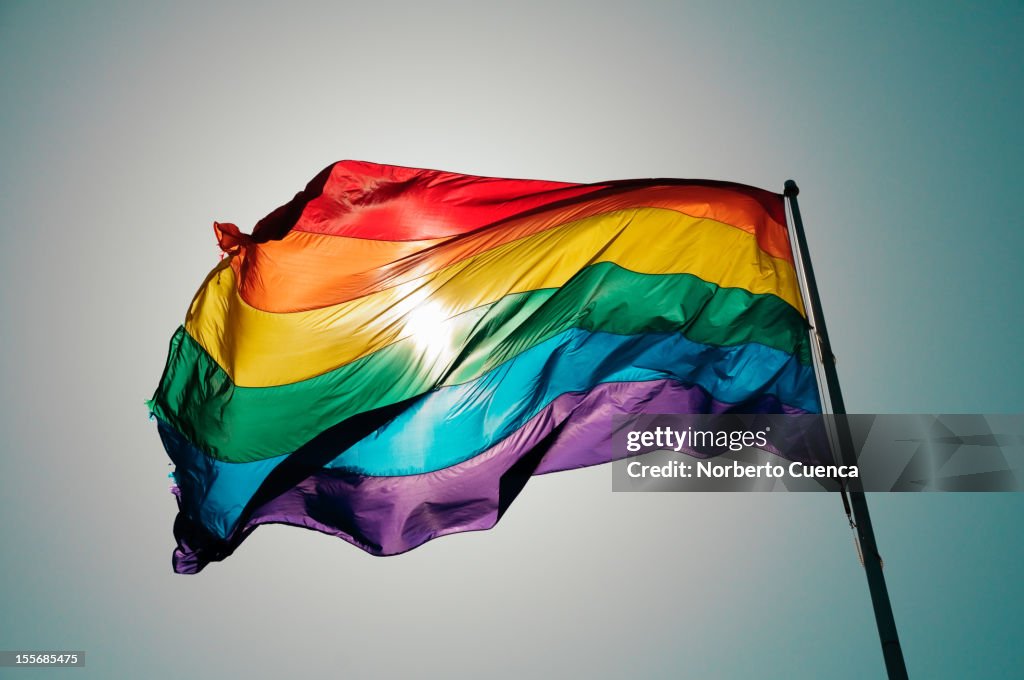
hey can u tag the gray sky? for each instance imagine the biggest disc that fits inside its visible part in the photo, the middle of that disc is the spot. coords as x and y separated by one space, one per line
127 128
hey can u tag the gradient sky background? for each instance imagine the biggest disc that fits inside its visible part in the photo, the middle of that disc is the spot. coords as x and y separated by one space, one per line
127 128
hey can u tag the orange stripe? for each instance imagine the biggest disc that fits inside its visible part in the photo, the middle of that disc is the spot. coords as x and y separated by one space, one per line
306 271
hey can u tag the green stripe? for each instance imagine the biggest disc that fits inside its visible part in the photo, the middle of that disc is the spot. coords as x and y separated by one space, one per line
233 423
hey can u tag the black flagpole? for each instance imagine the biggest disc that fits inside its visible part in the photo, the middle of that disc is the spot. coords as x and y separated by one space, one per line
887 633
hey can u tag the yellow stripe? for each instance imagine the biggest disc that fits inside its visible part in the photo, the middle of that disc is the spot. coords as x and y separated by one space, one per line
261 349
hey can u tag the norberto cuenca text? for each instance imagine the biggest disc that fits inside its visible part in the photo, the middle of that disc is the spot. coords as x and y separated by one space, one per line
666 438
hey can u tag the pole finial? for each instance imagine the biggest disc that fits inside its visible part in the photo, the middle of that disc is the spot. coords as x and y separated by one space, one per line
791 189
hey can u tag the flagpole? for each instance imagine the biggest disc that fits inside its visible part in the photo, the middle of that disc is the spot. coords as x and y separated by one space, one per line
887 633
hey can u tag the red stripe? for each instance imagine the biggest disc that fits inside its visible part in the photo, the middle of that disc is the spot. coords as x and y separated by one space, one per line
391 203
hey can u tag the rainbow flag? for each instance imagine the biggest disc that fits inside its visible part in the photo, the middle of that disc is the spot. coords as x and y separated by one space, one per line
391 355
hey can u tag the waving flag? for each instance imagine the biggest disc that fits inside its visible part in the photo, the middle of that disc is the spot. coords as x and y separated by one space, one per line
392 354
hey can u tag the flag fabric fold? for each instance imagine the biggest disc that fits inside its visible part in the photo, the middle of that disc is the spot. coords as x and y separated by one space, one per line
392 354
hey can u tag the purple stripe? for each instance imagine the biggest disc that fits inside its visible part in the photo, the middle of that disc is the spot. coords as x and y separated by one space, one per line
390 515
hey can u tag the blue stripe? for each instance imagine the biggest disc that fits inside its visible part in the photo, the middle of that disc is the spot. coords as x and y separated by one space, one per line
453 424
213 493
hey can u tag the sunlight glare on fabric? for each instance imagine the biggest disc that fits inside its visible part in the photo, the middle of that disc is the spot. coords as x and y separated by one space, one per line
426 325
